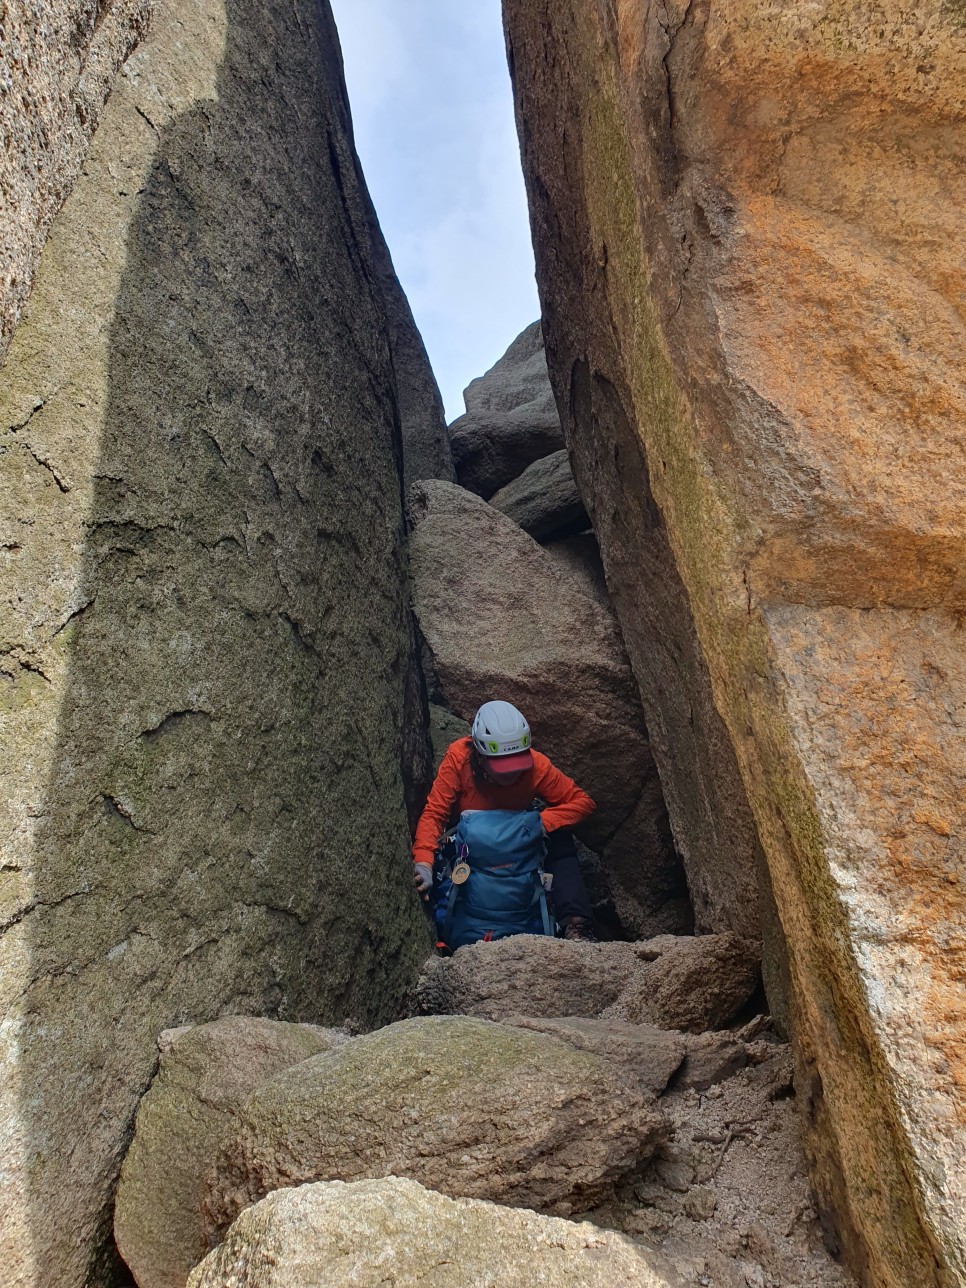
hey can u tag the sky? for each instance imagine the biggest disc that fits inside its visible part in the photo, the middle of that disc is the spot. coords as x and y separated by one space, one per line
433 116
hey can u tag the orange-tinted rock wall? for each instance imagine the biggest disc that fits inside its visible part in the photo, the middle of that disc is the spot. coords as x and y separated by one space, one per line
749 223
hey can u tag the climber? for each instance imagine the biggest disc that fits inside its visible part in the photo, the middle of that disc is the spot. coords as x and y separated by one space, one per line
495 768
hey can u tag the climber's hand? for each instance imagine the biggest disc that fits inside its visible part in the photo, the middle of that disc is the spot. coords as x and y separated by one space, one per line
423 876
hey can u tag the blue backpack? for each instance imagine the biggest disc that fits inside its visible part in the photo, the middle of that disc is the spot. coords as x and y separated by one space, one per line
503 893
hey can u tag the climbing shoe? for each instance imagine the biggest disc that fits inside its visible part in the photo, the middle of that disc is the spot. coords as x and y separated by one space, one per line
579 928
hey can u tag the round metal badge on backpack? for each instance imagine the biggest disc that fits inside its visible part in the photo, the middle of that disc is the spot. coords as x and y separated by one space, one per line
460 873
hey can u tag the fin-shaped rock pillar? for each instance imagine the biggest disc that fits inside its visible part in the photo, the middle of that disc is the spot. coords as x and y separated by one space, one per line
210 710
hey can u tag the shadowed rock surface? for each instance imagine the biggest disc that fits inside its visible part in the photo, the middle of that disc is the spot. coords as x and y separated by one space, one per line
206 1076
754 302
371 1233
207 672
499 619
472 1109
444 730
579 557
544 499
511 418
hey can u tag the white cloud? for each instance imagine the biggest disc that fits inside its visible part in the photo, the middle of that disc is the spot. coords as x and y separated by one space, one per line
433 114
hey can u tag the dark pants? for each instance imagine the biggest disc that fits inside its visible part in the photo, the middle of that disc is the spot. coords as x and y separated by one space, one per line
568 892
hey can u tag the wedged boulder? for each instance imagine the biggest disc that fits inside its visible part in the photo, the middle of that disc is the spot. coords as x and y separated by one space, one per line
470 1108
511 418
206 1075
579 557
651 1056
690 982
526 975
544 499
499 620
754 311
673 982
394 1231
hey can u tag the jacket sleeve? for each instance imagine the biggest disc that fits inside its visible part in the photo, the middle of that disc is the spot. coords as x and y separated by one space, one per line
567 804
439 807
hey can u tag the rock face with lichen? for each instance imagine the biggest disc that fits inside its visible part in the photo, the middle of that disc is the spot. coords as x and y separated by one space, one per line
210 716
58 61
754 314
473 1109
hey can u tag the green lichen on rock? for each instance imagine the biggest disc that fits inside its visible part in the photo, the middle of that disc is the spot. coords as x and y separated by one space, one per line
462 1105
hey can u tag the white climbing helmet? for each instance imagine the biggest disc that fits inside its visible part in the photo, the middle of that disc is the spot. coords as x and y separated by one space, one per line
502 735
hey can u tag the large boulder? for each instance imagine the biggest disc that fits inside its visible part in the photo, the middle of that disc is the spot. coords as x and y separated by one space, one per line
467 1107
500 620
511 418
673 981
754 314
526 975
544 499
393 1231
207 665
206 1075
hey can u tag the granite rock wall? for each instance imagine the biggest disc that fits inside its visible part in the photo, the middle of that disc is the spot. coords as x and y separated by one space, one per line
750 242
210 712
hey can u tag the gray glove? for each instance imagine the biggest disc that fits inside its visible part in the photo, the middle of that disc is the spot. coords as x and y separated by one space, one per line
423 874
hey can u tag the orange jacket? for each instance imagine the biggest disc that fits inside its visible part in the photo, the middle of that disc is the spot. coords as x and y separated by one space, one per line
455 789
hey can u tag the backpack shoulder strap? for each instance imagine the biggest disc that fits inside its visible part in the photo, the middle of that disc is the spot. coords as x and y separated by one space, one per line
448 914
548 926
